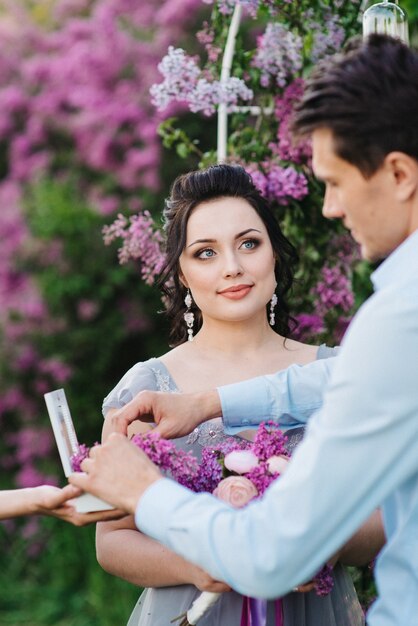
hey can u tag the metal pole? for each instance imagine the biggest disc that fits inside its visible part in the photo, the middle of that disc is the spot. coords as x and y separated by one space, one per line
225 75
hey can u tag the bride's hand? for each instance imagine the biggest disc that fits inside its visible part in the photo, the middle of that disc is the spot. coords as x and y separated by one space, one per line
204 581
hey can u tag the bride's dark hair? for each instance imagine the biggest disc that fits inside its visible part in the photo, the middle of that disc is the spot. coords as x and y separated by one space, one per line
189 190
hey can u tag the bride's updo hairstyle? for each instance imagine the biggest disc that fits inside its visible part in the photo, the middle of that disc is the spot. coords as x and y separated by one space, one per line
189 190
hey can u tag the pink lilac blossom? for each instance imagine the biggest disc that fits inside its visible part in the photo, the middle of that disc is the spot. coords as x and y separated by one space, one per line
78 458
206 37
141 241
279 55
286 148
87 310
278 184
259 178
104 115
285 183
72 96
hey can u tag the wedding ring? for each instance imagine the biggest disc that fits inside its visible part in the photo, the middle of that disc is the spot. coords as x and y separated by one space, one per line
295 589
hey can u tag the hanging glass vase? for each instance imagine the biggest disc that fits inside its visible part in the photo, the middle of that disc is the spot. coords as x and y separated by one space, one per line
387 18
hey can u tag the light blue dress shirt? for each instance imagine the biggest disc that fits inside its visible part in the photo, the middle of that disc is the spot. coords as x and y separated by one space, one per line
360 451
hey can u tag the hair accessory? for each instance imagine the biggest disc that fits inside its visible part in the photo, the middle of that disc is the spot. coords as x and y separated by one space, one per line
273 303
189 315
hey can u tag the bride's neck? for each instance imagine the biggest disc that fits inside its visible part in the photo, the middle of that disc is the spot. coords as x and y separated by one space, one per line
217 337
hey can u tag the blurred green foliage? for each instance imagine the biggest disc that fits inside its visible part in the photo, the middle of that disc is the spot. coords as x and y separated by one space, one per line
62 585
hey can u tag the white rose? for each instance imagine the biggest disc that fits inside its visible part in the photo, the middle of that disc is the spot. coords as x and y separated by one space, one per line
277 464
241 461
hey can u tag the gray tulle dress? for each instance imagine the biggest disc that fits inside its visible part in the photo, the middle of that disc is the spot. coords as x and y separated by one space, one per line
158 606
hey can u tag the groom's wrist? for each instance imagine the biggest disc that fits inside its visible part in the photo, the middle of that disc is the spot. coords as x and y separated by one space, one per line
208 403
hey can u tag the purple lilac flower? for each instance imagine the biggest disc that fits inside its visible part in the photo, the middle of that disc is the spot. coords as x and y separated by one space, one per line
278 55
278 184
184 82
261 477
285 148
250 6
327 35
259 178
324 581
284 183
180 464
345 249
78 458
269 441
333 290
180 73
309 326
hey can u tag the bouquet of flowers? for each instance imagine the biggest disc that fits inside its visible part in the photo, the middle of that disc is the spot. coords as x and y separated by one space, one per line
237 472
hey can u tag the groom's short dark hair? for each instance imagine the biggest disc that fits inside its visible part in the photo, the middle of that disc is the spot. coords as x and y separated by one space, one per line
368 97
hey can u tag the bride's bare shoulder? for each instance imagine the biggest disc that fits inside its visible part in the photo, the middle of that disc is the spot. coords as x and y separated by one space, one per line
304 352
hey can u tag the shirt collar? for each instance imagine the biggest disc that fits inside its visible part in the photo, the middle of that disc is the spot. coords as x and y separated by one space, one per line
398 265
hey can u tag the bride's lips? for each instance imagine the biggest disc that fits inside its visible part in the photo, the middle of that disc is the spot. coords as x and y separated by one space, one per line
236 292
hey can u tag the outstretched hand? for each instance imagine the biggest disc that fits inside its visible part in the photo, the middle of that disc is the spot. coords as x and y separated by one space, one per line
175 414
118 472
57 502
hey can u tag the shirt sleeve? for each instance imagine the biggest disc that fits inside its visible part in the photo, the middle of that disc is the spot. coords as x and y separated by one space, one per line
288 397
357 449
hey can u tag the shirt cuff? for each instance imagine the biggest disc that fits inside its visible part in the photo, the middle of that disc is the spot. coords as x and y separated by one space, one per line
245 404
156 507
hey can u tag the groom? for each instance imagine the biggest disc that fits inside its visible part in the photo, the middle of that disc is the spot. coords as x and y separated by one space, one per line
361 448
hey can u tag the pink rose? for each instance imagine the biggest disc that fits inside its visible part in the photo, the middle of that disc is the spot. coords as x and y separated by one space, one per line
240 461
277 464
236 490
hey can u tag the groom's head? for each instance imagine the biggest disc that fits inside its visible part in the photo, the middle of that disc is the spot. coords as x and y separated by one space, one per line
361 109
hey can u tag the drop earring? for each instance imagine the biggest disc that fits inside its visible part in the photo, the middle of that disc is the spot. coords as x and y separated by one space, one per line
273 303
189 315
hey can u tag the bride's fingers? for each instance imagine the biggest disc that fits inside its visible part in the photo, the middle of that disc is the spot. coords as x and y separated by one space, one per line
310 586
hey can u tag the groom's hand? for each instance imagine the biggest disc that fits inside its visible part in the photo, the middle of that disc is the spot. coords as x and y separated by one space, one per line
118 472
176 414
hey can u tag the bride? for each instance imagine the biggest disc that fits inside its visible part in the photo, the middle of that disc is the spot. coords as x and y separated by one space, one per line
228 270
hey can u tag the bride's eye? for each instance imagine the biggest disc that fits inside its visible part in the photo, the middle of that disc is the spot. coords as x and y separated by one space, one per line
250 244
207 253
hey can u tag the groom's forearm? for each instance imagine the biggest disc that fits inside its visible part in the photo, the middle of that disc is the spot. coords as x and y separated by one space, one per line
289 397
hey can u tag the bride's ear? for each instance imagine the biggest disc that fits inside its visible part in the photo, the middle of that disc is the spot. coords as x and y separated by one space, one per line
183 280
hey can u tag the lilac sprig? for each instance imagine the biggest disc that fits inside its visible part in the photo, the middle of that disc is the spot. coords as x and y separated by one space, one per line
261 477
182 466
324 581
269 441
77 458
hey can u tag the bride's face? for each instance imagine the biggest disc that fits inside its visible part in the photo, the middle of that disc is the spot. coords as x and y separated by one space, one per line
228 261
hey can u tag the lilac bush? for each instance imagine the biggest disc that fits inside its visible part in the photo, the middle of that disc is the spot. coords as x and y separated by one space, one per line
277 45
79 143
